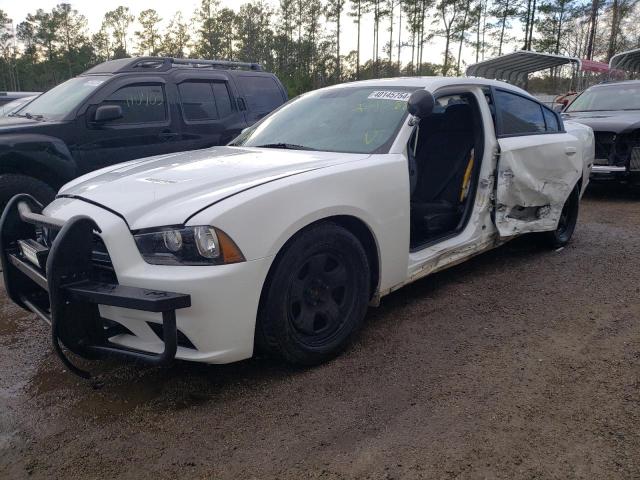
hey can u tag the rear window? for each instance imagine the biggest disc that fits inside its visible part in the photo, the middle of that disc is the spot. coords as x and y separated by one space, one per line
551 120
262 93
520 116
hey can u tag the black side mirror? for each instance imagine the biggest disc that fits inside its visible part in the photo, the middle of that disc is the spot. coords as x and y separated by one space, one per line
107 113
421 103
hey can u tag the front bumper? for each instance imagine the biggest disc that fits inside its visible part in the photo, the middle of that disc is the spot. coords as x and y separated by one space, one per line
614 172
60 285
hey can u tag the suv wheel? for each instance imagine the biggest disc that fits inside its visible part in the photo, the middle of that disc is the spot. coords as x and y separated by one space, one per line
12 184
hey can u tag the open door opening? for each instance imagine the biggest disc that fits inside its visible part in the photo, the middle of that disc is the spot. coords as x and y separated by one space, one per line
445 155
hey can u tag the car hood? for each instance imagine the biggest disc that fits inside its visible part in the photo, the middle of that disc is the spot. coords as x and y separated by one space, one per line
168 189
607 121
17 124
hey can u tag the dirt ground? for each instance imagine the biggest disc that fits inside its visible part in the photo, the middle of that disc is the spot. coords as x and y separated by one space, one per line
522 363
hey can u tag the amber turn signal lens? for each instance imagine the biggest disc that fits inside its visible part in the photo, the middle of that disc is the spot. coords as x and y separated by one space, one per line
230 251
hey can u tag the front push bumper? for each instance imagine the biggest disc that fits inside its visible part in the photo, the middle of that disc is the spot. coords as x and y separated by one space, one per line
60 284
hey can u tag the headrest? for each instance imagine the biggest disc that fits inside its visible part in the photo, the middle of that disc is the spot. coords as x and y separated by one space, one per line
458 117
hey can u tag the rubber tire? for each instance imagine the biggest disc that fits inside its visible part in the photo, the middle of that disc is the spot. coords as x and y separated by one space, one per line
274 333
562 236
12 184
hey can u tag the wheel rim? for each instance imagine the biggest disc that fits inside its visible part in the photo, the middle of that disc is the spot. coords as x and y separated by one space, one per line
318 298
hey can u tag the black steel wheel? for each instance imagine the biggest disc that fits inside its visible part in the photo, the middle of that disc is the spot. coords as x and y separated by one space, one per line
316 296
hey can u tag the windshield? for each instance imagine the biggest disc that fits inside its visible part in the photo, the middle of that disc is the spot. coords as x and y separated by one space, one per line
608 97
58 102
344 119
13 106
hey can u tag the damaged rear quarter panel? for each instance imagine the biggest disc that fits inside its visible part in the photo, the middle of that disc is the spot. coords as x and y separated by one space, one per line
536 174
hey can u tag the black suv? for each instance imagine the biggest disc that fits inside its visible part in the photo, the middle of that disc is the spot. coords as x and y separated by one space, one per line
127 109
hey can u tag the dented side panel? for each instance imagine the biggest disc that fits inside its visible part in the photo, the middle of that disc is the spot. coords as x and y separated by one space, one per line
535 176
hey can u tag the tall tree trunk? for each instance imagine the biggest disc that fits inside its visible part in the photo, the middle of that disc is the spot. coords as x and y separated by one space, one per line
399 33
464 27
503 22
445 66
532 23
421 46
391 34
413 37
484 28
559 35
593 20
526 26
358 47
338 14
615 14
478 31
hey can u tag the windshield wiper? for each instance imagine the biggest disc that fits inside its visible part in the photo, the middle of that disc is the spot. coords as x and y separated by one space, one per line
28 115
32 116
286 146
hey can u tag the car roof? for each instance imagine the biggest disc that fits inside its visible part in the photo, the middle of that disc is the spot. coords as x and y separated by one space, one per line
434 83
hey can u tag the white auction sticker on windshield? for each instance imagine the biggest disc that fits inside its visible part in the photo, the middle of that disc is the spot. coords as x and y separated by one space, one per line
94 83
390 95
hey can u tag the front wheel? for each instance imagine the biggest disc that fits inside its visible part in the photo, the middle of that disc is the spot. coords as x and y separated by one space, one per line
316 296
12 184
561 236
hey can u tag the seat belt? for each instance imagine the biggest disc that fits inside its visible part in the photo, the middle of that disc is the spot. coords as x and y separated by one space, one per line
466 180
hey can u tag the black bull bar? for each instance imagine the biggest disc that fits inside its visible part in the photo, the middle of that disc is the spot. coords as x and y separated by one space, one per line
58 284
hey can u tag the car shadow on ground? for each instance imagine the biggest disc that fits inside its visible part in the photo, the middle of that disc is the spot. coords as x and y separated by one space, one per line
118 387
612 191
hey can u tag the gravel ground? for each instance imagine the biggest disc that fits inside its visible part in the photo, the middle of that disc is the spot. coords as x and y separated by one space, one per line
521 363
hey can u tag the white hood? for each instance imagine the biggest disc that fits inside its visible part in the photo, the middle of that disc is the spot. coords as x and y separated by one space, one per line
166 190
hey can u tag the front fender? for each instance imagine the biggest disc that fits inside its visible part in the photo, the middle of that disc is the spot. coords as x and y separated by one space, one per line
36 154
374 190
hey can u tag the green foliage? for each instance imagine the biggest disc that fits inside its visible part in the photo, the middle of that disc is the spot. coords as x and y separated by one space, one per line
299 40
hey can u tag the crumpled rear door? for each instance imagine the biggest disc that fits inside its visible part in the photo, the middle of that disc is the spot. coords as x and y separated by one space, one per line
535 175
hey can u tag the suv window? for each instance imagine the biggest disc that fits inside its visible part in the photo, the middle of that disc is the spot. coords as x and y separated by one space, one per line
204 100
519 115
139 103
262 93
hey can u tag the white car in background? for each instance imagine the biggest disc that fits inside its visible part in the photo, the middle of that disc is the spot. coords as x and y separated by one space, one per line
283 238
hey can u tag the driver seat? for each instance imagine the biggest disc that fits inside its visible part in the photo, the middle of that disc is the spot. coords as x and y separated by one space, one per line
444 159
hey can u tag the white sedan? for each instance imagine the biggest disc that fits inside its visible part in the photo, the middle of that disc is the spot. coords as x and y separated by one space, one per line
282 239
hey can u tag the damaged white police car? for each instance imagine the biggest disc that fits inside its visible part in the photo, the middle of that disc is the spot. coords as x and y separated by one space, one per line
283 238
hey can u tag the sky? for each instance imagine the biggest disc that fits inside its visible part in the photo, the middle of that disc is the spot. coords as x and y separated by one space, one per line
94 11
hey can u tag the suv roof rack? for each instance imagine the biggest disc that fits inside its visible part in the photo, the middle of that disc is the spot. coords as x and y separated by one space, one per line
166 63
163 64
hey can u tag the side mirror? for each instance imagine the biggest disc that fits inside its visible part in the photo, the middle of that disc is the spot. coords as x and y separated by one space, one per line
107 113
421 103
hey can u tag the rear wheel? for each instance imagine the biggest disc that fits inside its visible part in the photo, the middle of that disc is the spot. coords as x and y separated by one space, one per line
316 297
12 184
567 223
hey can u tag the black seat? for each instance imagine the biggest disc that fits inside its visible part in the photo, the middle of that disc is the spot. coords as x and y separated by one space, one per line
442 157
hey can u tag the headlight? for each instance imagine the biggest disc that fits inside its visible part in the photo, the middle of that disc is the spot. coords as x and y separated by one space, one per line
187 246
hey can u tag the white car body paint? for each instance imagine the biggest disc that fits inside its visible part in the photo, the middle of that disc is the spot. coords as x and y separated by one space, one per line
262 197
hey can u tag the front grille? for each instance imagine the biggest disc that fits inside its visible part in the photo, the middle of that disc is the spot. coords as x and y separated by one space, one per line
634 160
604 147
101 261
103 270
